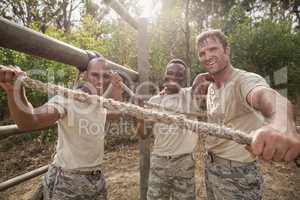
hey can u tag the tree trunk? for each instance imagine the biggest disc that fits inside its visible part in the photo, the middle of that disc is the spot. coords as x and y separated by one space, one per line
187 34
297 12
66 22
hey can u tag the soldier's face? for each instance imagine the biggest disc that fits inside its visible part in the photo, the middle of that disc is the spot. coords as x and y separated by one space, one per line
98 76
213 56
174 78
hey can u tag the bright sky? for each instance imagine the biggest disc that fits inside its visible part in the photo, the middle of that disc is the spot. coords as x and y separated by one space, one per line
150 8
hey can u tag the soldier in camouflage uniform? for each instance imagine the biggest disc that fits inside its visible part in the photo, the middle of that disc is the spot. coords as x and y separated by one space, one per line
242 100
172 168
75 172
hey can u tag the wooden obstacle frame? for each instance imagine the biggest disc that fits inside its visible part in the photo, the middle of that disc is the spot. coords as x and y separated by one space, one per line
25 40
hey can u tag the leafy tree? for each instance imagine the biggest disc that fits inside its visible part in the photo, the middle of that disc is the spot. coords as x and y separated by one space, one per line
267 48
41 13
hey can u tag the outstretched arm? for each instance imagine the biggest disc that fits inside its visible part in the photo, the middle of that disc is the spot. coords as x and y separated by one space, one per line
278 140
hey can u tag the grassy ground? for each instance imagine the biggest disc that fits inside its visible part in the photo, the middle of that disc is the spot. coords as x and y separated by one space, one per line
121 168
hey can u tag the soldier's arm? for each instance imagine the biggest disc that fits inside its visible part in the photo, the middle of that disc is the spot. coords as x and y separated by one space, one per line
27 117
278 140
21 110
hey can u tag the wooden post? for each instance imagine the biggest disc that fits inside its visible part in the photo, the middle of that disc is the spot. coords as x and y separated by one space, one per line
143 70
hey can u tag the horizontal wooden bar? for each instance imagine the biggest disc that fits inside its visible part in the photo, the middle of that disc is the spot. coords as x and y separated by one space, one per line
10 130
22 178
22 39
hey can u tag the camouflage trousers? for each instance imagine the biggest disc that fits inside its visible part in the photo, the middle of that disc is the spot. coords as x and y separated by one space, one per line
63 185
231 180
172 178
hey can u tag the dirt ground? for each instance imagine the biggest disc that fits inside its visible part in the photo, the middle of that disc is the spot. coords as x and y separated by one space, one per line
121 167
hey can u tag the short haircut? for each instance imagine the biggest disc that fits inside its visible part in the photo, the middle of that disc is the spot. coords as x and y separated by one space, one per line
213 34
97 60
177 61
181 62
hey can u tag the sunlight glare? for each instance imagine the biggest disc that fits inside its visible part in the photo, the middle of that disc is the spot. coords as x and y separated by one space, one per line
150 8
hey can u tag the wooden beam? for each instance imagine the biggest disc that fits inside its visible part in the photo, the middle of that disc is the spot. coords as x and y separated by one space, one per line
116 6
10 130
143 69
22 39
22 178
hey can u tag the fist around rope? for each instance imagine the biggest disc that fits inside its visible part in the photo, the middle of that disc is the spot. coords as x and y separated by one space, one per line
8 75
270 144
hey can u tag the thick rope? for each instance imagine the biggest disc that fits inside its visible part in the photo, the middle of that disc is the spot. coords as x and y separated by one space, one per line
181 121
188 115
152 105
141 113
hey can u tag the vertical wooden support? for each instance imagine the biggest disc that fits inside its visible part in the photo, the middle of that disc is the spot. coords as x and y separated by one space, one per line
143 69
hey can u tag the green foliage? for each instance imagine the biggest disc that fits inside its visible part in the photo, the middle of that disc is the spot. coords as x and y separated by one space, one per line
166 38
264 45
120 44
37 68
48 135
